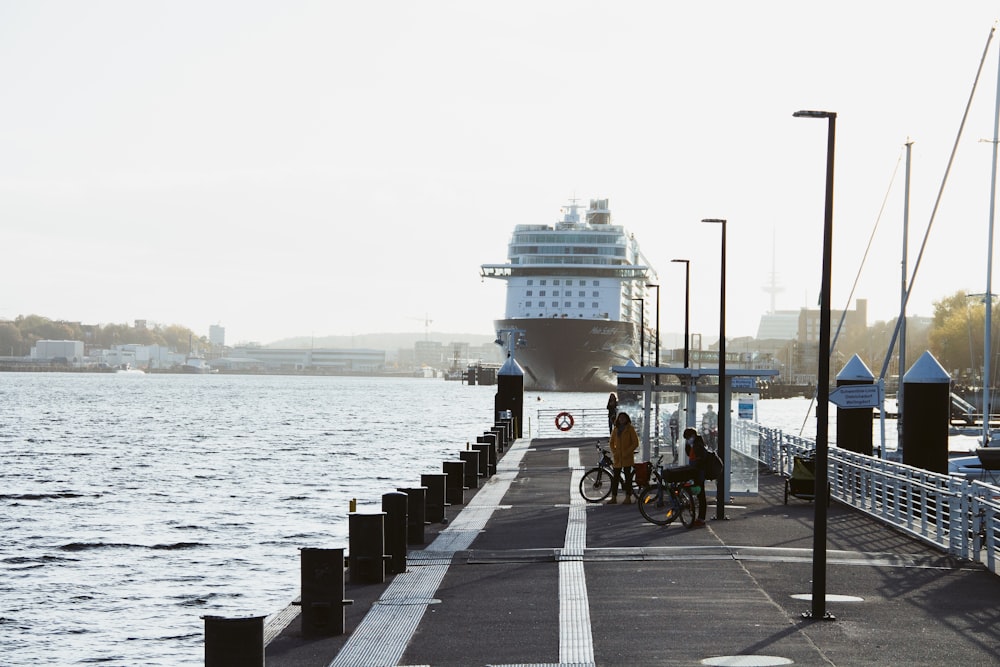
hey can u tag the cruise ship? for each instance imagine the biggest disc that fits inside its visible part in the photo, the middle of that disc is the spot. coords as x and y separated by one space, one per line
576 291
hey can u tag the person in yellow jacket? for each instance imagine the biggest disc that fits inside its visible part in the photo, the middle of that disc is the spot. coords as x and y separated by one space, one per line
624 442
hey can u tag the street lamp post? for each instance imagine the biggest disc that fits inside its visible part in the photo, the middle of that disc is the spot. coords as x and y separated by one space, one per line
722 486
642 330
657 362
687 309
823 380
656 378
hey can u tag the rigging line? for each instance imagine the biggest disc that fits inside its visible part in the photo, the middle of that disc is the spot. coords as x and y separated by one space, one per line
857 277
937 203
864 258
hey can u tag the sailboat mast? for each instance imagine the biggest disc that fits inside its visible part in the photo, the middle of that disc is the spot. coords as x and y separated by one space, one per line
987 343
902 298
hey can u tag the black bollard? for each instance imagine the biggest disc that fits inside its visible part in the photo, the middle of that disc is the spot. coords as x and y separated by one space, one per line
927 388
484 459
234 642
471 458
490 437
416 502
394 504
322 592
854 425
510 395
366 540
437 496
455 481
501 433
491 443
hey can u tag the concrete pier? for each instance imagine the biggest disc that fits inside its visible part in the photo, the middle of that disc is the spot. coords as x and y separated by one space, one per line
529 574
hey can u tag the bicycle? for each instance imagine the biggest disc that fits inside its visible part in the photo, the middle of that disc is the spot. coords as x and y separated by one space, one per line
671 497
595 485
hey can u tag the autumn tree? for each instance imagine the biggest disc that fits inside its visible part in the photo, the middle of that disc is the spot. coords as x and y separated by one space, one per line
26 330
11 342
957 334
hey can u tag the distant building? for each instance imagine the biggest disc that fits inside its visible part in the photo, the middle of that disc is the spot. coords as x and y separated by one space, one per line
854 320
268 358
429 353
217 335
139 356
780 325
66 351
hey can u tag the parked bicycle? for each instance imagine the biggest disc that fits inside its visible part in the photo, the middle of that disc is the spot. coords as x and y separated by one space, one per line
670 498
595 485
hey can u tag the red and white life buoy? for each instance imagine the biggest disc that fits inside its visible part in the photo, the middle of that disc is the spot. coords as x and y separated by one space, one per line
564 421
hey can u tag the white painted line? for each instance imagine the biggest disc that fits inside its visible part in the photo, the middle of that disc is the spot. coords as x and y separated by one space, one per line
386 630
829 598
576 640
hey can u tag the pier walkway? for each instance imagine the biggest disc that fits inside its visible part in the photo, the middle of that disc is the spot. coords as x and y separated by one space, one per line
526 573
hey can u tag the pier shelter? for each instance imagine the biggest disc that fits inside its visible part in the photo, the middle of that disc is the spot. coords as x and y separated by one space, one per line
648 382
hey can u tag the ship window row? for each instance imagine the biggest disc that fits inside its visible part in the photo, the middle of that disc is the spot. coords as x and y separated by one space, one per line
594 260
569 282
555 304
581 293
563 238
607 251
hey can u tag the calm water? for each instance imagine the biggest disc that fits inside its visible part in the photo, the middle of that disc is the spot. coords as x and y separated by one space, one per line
134 504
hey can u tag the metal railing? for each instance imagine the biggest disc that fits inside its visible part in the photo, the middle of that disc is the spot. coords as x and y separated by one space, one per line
571 423
955 514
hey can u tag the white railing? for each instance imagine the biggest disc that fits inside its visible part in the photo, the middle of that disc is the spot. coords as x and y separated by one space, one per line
570 423
957 515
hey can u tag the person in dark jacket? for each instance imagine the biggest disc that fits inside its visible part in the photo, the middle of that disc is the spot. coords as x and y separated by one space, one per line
697 453
612 410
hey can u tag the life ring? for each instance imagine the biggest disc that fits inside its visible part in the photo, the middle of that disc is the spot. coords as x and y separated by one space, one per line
564 421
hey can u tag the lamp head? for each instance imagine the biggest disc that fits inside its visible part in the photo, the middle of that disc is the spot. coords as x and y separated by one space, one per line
719 220
814 114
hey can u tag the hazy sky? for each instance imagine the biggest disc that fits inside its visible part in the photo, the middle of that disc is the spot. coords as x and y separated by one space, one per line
315 168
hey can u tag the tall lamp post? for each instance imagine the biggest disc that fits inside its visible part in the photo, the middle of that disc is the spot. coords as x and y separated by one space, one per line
687 309
657 362
656 378
722 487
642 330
823 380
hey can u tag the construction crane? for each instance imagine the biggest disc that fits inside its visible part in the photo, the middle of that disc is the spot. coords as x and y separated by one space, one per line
427 324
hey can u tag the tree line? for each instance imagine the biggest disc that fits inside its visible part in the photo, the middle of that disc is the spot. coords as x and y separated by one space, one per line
17 337
956 338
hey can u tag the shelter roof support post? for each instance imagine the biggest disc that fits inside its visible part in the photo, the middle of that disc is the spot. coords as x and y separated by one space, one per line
647 392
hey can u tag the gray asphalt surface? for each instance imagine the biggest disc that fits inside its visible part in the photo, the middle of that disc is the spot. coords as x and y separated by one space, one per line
727 594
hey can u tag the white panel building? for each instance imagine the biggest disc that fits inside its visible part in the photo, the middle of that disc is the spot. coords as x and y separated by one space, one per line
70 350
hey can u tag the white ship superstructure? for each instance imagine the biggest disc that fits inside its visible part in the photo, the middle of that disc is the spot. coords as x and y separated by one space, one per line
575 297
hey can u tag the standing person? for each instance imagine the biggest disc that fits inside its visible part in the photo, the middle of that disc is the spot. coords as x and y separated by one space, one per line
612 410
694 447
710 425
624 442
674 425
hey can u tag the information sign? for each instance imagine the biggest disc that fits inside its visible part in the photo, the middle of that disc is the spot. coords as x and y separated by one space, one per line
857 396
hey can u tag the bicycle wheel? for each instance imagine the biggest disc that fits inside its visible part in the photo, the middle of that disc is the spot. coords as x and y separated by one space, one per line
685 504
655 505
654 481
595 486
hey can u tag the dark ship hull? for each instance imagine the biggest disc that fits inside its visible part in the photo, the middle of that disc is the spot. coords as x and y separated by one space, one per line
563 354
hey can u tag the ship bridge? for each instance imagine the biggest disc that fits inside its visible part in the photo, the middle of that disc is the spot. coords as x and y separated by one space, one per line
504 271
